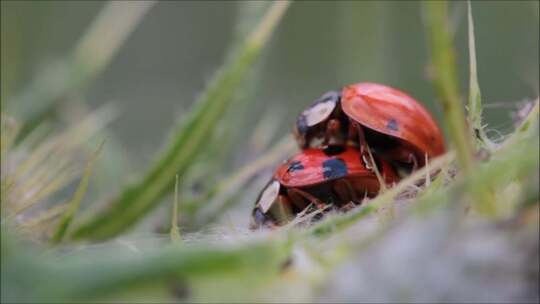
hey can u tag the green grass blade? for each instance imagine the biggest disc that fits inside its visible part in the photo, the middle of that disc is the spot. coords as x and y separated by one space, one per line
106 35
511 163
446 79
84 276
475 97
93 52
75 202
136 200
446 83
475 101
175 232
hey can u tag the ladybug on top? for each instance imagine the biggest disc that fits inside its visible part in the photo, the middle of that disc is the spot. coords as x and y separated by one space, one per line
369 115
337 134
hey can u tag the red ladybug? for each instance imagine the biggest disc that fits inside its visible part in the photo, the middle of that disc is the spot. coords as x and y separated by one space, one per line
387 120
317 177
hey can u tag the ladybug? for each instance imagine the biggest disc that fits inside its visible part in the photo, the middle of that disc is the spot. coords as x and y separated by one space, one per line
317 178
370 115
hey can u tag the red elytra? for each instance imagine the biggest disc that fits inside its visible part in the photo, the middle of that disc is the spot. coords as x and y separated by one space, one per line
392 112
317 177
315 166
392 123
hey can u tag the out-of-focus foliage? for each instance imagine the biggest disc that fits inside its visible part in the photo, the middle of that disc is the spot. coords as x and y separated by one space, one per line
187 141
421 240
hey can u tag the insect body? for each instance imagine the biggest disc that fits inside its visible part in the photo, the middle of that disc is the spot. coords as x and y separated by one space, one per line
375 116
317 177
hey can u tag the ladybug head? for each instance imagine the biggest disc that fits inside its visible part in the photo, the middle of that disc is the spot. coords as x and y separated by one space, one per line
319 123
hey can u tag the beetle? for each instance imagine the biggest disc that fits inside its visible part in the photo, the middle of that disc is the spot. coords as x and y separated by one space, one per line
333 176
376 116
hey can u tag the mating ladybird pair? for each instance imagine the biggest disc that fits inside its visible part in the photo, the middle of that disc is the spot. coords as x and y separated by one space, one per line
337 134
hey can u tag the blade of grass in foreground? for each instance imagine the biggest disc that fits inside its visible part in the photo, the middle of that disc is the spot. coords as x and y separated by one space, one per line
475 98
175 232
77 198
446 83
446 79
96 48
136 200
81 276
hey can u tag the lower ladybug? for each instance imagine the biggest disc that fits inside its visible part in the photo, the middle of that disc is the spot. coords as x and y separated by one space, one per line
317 177
387 120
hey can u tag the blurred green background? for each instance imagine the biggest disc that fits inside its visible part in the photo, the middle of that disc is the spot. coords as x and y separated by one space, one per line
319 46
153 80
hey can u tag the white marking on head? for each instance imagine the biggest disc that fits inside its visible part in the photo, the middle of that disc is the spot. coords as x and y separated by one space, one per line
269 196
319 112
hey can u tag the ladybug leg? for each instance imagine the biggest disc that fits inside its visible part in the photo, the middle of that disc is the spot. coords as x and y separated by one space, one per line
297 200
281 211
366 196
365 153
345 191
346 194
348 207
412 159
351 136
367 157
364 148
403 156
312 199
351 190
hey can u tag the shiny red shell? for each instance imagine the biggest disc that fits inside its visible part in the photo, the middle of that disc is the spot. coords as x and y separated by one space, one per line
315 166
392 112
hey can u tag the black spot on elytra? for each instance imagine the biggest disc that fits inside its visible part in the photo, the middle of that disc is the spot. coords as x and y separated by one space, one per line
334 168
392 125
295 166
